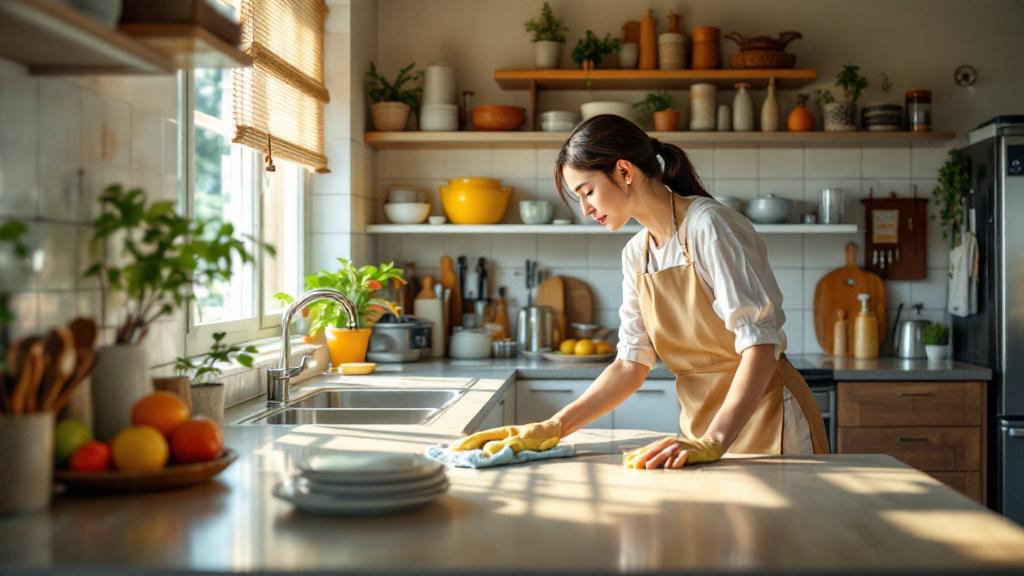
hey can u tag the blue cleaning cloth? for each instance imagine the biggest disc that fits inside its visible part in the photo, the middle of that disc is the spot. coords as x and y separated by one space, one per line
480 459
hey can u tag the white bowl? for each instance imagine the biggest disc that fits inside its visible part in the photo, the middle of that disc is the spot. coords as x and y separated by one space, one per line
439 117
535 211
733 202
407 213
557 125
437 220
470 344
564 115
399 195
770 209
624 109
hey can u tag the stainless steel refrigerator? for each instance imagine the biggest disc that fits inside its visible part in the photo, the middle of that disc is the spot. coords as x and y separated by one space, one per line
994 337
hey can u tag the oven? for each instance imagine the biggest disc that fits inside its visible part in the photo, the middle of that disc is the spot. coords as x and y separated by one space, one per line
823 387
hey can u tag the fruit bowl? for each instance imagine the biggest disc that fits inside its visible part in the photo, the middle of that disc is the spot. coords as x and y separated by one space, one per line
132 481
559 357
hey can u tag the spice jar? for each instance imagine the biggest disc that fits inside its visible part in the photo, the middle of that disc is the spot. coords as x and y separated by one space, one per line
919 110
705 48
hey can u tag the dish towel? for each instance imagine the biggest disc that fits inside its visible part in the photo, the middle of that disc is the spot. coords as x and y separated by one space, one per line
480 459
963 277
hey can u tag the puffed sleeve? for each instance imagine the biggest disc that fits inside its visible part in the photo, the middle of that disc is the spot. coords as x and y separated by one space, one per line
733 260
634 344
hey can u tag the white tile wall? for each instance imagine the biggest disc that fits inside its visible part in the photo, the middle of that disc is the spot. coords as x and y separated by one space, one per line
798 173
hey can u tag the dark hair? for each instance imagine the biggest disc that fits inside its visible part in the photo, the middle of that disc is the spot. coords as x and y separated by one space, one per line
603 140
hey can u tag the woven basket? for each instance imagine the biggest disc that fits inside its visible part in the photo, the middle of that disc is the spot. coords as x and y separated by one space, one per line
762 59
390 116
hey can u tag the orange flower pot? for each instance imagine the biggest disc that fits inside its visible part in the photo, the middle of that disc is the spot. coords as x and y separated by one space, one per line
347 345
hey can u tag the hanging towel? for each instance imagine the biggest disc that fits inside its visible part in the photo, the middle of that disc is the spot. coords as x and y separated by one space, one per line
963 277
480 459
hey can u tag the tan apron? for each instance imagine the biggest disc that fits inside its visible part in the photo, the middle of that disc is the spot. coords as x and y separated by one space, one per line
695 345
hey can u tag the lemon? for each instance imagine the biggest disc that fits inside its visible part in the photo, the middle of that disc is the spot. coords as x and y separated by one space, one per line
139 448
584 347
567 346
603 347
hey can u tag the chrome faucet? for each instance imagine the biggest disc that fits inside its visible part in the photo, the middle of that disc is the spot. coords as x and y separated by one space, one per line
279 375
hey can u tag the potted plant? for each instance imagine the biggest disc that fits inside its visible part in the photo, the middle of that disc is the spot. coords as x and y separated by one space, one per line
153 258
936 342
882 116
548 38
800 118
206 397
13 258
590 50
360 286
392 101
659 106
954 183
841 115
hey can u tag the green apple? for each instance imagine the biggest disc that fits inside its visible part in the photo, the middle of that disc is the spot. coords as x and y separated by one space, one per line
69 435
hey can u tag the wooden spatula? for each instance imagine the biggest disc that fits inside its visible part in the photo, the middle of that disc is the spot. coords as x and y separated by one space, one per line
551 293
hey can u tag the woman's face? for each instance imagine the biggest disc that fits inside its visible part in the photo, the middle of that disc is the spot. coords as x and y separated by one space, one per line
598 196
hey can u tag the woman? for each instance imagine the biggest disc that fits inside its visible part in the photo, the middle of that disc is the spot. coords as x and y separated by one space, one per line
697 292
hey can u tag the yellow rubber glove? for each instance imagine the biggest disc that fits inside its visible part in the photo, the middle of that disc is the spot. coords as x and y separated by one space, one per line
674 453
538 436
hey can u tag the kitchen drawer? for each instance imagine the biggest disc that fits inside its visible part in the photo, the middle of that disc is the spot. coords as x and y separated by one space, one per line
655 406
538 400
967 483
929 449
910 403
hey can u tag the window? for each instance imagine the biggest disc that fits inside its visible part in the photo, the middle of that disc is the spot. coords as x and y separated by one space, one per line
228 182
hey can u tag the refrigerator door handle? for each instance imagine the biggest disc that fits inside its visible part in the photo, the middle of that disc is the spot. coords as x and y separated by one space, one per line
1015 432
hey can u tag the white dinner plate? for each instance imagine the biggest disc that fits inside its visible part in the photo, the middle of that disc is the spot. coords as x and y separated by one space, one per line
329 505
572 358
391 489
369 467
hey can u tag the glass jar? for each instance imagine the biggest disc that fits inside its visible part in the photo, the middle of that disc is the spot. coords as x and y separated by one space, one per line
919 110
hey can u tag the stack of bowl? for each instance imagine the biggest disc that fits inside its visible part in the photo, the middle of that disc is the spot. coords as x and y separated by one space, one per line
406 206
439 113
475 200
558 121
624 109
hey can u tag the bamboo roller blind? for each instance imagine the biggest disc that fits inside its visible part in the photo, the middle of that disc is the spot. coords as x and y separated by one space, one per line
281 96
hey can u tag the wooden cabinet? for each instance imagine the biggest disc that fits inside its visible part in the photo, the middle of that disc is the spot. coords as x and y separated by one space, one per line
503 413
654 406
937 427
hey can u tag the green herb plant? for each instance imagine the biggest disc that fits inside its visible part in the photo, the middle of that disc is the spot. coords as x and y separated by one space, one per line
886 83
204 369
594 49
936 334
547 27
850 81
954 182
360 286
654 102
381 90
160 257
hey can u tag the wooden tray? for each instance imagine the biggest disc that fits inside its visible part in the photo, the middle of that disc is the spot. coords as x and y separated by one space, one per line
127 482
572 358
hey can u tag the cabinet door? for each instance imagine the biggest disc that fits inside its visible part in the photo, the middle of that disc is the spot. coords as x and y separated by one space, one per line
503 413
538 400
654 406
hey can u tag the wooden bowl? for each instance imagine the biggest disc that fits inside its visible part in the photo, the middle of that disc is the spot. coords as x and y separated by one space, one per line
498 117
762 59
128 481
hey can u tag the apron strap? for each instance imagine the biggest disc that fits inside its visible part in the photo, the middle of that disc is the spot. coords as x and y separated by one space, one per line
808 405
681 235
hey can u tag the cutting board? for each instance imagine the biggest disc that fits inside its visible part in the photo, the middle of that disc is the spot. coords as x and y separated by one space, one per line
551 293
450 280
838 290
579 301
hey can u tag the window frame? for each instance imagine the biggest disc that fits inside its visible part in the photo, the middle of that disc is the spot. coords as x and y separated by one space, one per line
199 337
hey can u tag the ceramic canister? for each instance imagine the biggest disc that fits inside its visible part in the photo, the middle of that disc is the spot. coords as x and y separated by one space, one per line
702 107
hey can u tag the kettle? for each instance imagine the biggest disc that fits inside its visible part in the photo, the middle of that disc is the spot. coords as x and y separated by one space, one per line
910 335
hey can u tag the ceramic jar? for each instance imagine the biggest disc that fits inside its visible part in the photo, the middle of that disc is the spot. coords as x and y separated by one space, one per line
706 54
671 51
742 109
629 53
702 107
724 118
840 117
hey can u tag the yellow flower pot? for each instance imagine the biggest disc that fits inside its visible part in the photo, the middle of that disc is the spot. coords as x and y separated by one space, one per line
347 345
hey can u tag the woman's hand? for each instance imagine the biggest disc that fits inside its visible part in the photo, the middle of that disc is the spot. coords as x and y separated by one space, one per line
538 436
674 453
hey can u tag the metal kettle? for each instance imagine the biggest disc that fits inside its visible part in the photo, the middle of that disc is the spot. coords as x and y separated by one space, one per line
910 335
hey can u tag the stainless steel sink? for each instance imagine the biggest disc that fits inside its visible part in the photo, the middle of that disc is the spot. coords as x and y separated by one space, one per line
295 416
363 406
368 398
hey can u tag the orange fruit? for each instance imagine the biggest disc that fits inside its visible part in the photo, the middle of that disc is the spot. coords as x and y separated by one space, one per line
196 440
161 410
139 448
93 456
604 347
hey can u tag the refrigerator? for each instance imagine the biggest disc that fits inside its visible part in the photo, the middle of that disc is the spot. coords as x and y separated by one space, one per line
994 337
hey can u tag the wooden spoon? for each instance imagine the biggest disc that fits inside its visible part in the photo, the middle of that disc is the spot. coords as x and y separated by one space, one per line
31 371
83 330
61 363
86 361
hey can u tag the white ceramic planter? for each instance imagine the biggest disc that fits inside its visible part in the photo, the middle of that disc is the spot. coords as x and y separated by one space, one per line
629 54
840 117
936 353
546 54
119 379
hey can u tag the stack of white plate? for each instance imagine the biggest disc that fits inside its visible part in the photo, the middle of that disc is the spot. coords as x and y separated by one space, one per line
364 483
439 85
439 117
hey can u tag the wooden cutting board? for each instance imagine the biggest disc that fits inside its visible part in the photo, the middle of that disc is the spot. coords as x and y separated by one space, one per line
579 301
838 290
551 293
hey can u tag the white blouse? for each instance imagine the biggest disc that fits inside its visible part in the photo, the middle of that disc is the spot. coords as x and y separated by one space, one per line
731 258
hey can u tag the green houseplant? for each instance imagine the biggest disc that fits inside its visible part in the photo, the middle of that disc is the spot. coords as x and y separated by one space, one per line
360 285
547 36
954 183
590 50
936 341
841 115
153 258
13 258
195 380
658 105
392 101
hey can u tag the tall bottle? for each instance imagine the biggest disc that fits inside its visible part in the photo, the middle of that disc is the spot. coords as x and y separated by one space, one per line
742 109
865 330
839 332
648 42
770 110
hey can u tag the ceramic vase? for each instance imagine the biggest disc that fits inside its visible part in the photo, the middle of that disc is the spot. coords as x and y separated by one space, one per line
119 379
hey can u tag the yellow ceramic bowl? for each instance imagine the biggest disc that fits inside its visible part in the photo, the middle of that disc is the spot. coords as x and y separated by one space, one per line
475 182
475 205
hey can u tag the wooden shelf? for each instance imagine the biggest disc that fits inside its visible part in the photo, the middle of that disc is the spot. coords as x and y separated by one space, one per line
647 79
584 229
189 45
400 140
52 38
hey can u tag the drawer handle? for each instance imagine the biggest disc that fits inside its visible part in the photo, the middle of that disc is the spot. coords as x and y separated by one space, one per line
642 391
555 390
914 394
911 439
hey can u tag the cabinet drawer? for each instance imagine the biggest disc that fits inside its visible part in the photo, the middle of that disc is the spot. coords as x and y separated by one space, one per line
538 400
910 403
967 483
655 406
929 449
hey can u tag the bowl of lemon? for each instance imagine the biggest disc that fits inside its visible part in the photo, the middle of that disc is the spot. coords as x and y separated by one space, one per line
582 350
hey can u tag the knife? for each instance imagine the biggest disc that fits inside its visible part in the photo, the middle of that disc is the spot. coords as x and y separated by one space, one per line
481 278
460 271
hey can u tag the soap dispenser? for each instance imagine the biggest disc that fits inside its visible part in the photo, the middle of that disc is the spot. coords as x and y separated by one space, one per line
865 330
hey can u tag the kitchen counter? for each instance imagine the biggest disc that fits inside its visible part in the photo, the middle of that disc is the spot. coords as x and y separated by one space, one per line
856 513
